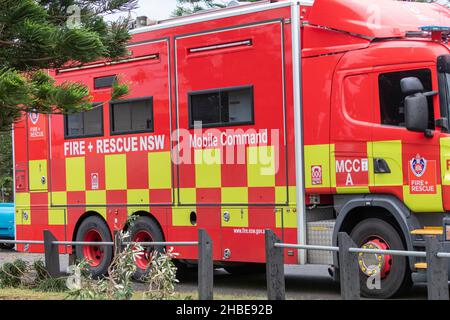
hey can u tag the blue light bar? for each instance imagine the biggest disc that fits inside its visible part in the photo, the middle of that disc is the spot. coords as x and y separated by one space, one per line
435 28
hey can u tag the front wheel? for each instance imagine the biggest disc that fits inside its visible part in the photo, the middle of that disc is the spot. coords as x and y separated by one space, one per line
390 275
94 229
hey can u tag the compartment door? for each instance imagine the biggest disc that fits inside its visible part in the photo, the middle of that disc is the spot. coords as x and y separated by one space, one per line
231 116
232 82
37 137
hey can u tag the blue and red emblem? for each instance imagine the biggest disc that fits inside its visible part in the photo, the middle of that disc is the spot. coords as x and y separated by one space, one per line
418 165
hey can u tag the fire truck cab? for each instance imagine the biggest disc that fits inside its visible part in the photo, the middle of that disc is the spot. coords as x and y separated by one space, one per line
307 118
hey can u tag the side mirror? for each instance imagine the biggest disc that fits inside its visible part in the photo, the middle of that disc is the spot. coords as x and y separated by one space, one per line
416 112
411 85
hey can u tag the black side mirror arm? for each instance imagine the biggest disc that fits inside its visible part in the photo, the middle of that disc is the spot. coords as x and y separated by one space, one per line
442 123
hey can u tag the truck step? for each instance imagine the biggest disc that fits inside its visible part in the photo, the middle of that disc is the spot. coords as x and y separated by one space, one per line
420 265
429 231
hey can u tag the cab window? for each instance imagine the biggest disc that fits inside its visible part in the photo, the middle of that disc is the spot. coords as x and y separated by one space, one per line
392 99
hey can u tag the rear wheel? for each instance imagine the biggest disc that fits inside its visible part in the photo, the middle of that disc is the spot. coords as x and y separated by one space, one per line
144 229
94 229
391 272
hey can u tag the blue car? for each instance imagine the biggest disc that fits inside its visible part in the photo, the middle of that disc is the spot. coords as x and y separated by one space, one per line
7 230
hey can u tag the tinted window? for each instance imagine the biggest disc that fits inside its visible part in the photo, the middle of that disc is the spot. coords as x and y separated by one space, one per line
392 99
131 116
87 123
104 82
221 107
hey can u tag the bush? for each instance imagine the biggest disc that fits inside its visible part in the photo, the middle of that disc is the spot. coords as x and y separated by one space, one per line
116 286
13 274
162 277
44 282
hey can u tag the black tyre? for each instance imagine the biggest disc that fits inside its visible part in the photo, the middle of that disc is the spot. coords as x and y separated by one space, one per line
94 229
144 229
394 275
248 268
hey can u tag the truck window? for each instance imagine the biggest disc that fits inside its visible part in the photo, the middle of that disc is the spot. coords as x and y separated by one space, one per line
392 98
132 116
84 124
221 107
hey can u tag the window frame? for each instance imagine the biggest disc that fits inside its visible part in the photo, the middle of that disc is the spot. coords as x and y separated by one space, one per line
111 116
114 76
220 90
79 136
379 74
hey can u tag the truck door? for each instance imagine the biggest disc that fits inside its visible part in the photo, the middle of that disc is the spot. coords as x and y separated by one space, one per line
37 151
232 81
405 163
35 220
444 100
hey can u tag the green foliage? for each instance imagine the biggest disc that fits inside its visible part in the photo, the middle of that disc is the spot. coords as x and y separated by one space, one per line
162 277
117 285
48 34
119 90
21 274
44 282
12 274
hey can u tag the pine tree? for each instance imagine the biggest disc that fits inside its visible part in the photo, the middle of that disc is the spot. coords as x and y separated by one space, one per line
36 35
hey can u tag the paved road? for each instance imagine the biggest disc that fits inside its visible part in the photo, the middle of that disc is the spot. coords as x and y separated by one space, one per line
302 282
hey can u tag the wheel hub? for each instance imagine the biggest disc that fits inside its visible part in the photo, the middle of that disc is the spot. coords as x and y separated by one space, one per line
372 263
93 254
143 259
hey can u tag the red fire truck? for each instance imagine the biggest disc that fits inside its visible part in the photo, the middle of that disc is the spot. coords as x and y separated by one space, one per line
307 118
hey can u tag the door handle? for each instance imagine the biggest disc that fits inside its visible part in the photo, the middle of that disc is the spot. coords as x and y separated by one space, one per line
380 166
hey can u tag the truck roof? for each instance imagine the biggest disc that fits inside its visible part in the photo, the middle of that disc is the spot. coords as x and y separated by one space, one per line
367 18
378 19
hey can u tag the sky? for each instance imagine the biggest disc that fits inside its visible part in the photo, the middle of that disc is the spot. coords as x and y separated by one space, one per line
153 9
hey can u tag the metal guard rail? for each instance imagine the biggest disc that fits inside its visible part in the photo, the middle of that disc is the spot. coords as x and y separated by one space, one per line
204 243
437 265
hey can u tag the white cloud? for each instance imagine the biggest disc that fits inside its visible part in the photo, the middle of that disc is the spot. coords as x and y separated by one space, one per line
154 9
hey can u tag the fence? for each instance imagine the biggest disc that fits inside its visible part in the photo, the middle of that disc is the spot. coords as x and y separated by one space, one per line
437 265
205 257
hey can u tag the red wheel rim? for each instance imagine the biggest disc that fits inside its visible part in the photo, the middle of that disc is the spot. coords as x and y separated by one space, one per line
143 259
93 254
370 263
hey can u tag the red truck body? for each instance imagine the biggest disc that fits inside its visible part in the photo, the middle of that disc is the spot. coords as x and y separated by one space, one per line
236 176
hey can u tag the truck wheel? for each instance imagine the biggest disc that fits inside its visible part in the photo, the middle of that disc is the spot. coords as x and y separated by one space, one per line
393 271
248 268
144 229
94 229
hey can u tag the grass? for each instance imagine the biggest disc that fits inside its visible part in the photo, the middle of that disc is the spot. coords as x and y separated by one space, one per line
27 294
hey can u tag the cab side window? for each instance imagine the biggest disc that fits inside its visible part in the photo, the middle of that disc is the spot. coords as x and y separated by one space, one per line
392 99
